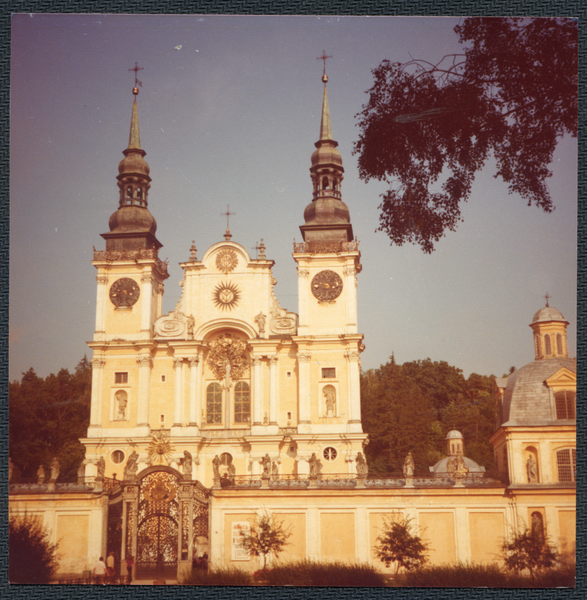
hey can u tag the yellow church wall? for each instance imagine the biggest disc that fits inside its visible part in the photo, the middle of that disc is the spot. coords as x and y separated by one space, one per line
295 523
487 534
438 529
567 528
232 554
337 536
72 533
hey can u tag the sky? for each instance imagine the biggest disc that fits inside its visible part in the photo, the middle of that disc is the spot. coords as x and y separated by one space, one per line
229 111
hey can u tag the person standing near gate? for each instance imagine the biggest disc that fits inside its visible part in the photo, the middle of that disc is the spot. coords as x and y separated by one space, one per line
129 565
110 567
100 570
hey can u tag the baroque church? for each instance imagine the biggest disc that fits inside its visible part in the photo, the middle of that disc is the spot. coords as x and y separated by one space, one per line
231 406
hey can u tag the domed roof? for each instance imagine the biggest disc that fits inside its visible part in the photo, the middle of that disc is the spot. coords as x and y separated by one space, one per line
132 218
134 163
442 466
327 154
454 435
526 400
326 210
548 313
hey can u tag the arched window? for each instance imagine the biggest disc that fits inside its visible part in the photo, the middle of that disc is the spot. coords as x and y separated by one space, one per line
559 344
566 461
214 404
538 346
325 183
242 402
129 191
140 193
565 404
547 347
537 526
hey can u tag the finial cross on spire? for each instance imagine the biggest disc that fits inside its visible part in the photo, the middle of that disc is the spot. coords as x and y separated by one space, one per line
324 57
547 296
136 69
227 214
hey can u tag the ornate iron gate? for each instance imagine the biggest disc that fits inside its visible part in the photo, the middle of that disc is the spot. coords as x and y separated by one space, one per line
157 526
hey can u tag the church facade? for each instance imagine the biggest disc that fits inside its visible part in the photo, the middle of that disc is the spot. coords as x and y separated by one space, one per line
232 406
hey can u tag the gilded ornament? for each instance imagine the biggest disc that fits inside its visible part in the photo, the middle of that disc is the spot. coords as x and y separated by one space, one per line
226 260
228 357
160 489
159 449
226 295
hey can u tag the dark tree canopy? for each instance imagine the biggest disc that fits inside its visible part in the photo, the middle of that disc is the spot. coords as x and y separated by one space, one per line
429 127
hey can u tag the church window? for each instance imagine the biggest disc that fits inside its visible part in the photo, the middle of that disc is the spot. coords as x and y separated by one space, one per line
559 344
328 372
566 461
547 347
538 346
214 404
330 453
565 404
118 457
242 402
120 378
325 183
129 191
140 193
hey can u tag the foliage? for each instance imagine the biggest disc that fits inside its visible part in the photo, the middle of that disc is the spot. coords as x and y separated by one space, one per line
47 417
428 128
399 545
229 576
266 536
31 555
481 575
527 550
311 573
411 408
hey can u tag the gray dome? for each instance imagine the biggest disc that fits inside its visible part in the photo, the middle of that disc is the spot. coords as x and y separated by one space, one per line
526 400
128 219
441 466
548 313
454 435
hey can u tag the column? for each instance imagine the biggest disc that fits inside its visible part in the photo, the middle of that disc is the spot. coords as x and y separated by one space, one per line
102 281
354 387
257 391
177 365
146 304
273 390
194 411
350 284
145 365
96 403
304 389
303 274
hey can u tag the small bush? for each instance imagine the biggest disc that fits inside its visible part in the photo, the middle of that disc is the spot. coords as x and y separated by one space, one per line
31 555
336 574
225 576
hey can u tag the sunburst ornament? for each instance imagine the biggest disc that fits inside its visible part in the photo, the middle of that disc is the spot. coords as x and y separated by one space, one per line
226 295
160 449
226 260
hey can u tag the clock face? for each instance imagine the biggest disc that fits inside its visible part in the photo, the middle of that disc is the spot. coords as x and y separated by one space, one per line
326 285
124 292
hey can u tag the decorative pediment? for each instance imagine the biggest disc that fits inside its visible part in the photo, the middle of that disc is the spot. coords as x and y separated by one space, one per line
282 322
562 378
176 324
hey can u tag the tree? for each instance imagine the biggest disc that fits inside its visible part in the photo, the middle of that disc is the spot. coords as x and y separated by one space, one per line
527 549
31 555
429 127
266 536
399 545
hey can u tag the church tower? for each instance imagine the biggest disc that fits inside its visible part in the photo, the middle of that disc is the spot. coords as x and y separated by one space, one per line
129 300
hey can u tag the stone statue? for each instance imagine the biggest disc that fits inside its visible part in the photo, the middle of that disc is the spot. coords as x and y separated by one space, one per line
55 469
10 468
187 463
131 467
191 322
41 474
266 464
101 469
122 399
537 528
216 467
450 465
330 397
274 470
409 466
314 466
231 472
362 468
459 464
532 469
260 320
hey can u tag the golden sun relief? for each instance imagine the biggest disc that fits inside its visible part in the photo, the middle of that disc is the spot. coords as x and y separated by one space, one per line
226 295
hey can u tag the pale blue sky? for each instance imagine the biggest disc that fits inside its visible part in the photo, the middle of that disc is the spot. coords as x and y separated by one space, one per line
231 118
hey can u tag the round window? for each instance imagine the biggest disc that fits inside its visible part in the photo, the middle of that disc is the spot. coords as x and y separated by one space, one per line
117 456
330 453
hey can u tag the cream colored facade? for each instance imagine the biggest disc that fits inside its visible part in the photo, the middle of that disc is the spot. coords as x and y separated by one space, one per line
231 405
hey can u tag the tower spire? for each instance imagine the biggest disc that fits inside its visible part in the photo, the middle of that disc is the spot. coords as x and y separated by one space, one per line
325 126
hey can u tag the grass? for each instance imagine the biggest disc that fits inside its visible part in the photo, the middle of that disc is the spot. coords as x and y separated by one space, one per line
476 575
226 576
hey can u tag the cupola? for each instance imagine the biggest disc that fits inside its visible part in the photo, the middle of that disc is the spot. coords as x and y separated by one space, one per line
550 333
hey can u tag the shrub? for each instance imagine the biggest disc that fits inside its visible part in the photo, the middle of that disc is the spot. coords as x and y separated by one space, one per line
335 574
266 536
527 550
399 545
223 576
31 555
